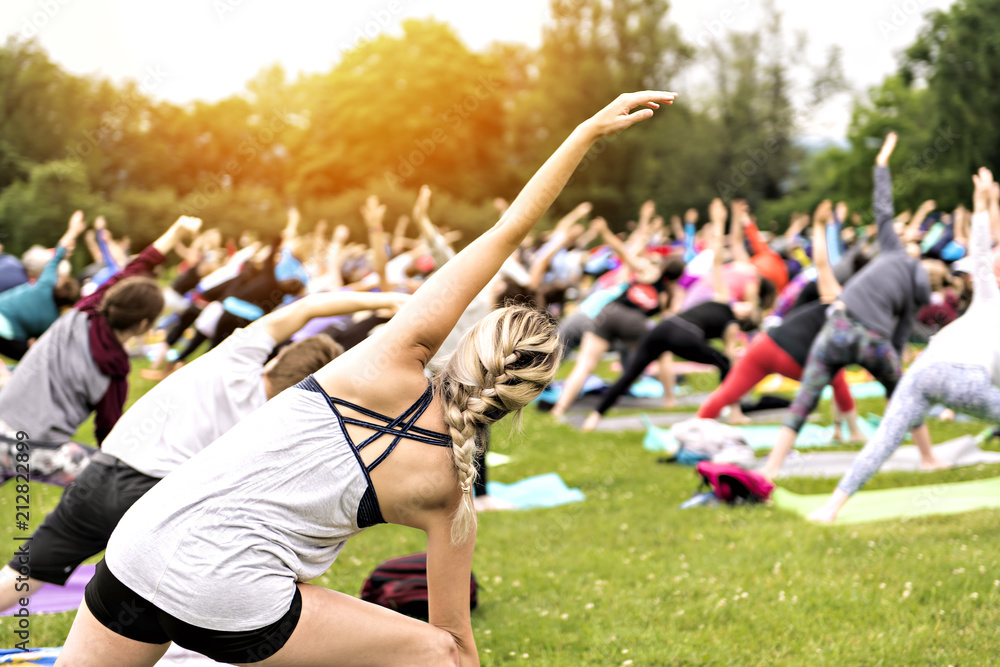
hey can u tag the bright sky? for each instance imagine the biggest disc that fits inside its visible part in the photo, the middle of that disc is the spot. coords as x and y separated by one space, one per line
183 50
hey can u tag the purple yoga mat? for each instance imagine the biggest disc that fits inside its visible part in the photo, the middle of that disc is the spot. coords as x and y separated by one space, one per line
54 599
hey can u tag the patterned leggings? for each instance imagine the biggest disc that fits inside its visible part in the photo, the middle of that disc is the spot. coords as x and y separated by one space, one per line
965 389
841 342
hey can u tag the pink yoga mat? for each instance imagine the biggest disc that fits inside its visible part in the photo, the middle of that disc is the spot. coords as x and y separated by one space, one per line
54 599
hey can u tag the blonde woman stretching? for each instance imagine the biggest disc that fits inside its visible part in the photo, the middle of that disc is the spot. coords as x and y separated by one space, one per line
216 556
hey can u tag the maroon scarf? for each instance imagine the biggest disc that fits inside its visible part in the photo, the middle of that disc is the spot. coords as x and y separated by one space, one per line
111 360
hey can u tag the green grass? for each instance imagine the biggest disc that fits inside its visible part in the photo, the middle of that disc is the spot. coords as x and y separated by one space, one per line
627 576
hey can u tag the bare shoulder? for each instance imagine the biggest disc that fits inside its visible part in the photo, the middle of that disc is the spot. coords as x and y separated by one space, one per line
374 378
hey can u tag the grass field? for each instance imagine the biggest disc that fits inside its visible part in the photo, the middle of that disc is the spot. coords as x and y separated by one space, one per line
627 578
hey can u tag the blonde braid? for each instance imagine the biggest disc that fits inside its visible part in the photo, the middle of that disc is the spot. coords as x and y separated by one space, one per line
499 366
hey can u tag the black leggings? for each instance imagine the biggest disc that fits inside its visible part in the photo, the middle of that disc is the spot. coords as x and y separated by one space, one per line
184 320
671 335
15 349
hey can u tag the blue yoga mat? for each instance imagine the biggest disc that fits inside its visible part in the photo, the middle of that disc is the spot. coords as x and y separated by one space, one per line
547 490
863 390
758 436
36 656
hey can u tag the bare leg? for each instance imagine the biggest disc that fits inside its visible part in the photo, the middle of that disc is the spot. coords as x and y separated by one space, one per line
592 348
668 379
922 438
782 446
14 586
90 644
857 435
339 629
828 513
591 422
736 415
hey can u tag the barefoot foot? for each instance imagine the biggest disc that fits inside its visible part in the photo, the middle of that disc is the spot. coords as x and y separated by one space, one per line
823 515
591 422
934 464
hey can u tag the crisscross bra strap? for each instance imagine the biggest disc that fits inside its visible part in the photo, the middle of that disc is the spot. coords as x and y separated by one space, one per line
401 427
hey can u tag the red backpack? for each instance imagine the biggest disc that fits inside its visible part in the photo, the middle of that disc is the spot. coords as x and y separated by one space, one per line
401 584
735 485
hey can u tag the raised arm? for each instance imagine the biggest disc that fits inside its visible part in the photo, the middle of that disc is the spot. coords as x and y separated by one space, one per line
291 230
282 323
50 274
827 283
427 319
146 261
439 247
104 243
633 261
740 213
76 226
834 243
913 232
399 240
888 240
717 216
373 212
581 211
984 281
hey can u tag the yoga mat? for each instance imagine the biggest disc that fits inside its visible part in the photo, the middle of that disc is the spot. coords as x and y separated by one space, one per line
176 655
41 657
905 503
860 383
35 656
494 459
639 422
962 451
758 436
54 599
547 490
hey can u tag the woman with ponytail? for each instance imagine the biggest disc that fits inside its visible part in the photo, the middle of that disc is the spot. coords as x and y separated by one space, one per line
217 555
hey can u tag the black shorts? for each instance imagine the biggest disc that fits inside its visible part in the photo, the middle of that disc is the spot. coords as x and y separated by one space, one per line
121 610
81 524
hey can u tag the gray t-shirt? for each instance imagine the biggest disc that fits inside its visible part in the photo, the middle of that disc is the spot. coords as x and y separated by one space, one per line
221 541
57 384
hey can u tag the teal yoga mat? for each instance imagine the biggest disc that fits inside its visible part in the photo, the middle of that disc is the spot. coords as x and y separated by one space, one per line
758 436
547 490
906 503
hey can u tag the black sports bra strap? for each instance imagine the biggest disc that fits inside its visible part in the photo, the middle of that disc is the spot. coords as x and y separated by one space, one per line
403 426
417 409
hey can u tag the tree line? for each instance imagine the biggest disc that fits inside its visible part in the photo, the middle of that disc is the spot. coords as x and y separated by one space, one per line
398 111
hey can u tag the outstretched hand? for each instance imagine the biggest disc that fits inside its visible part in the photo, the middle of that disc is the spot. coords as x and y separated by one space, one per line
823 212
717 211
984 184
422 204
373 211
619 116
76 224
888 146
599 225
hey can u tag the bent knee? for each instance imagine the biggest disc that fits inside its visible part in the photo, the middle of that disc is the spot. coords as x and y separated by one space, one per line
439 648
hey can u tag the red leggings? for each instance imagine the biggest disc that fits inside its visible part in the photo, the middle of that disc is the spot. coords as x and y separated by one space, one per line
761 359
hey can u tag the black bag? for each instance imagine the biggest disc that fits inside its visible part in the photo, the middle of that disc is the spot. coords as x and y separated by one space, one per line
401 584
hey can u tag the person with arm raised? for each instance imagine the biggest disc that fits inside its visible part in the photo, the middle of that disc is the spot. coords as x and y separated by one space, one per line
870 321
217 570
960 368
